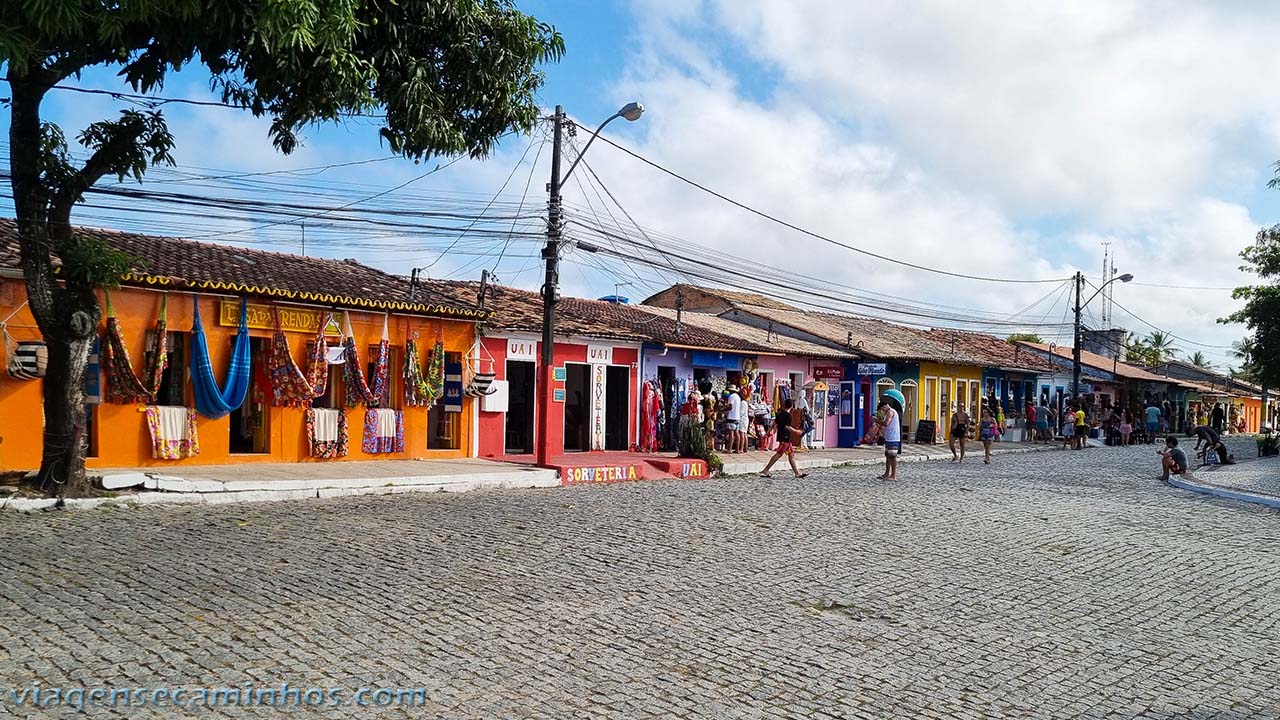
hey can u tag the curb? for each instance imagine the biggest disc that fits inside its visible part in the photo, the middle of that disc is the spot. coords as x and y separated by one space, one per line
1224 493
390 486
738 471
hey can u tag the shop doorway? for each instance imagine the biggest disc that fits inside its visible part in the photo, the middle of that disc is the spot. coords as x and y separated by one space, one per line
250 431
667 381
944 407
910 415
577 408
617 415
520 399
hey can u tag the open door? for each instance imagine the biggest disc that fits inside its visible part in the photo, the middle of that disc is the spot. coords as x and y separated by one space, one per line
520 405
617 404
577 408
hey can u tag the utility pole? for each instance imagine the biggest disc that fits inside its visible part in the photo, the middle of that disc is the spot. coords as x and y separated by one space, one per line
550 294
1075 355
304 238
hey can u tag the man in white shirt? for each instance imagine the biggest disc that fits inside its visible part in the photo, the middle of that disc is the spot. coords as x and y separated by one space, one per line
888 422
737 437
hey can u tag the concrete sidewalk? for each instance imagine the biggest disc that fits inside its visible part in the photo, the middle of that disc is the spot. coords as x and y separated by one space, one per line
254 482
1256 481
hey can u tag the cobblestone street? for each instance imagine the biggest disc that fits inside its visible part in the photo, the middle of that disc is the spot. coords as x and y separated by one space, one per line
1054 585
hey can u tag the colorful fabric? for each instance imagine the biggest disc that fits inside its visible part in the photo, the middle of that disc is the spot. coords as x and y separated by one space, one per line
289 387
416 391
318 359
173 432
435 371
322 443
383 431
381 367
357 387
211 401
123 385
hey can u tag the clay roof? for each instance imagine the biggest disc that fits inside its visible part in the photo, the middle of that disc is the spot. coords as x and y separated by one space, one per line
733 297
1102 362
991 350
521 310
776 342
1203 379
865 336
174 263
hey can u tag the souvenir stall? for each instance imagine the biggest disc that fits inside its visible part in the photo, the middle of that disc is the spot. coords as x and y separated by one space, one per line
214 377
676 373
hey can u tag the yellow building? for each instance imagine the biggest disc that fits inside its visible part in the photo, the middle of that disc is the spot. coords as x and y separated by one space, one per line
947 386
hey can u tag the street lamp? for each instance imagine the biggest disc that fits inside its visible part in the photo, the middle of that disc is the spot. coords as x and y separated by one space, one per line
1075 359
551 256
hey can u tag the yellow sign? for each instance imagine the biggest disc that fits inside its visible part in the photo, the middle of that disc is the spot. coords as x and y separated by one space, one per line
260 317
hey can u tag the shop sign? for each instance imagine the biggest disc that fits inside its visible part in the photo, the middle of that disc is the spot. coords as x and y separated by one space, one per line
606 473
522 350
558 395
828 372
559 374
260 317
600 354
873 369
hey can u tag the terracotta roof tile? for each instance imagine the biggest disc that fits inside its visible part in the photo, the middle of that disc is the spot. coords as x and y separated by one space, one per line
1102 362
776 342
189 264
521 310
990 350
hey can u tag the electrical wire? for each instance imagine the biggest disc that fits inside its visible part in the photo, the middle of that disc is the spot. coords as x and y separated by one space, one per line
810 233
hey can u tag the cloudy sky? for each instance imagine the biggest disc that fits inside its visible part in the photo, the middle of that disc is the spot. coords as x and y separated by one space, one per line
1000 140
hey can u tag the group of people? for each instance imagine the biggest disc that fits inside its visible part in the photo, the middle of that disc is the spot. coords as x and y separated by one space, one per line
988 430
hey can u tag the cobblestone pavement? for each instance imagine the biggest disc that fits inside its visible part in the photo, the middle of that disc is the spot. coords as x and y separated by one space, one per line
1257 478
1049 585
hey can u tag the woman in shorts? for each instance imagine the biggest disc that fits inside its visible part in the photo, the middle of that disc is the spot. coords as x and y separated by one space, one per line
959 432
987 433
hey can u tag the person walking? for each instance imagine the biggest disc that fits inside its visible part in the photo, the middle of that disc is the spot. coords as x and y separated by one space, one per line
785 433
735 439
959 432
1219 418
1153 422
1126 428
1029 423
1081 427
892 430
987 433
1044 421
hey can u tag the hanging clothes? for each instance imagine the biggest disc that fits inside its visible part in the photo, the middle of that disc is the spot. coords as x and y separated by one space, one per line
357 388
173 432
211 401
416 391
327 432
318 359
289 386
381 367
383 431
123 385
435 371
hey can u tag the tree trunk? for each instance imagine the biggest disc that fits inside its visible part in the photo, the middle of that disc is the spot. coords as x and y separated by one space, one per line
62 470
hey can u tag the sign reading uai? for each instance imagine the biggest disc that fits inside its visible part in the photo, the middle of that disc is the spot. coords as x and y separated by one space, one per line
600 354
522 350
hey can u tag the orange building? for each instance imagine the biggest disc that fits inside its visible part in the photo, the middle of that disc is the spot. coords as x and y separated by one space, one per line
303 293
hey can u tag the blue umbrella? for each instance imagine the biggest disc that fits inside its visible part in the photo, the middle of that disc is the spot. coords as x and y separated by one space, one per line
895 399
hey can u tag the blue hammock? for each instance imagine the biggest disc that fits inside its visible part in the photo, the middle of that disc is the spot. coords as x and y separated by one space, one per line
210 401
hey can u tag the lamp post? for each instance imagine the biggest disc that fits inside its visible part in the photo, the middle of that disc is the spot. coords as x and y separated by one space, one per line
551 256
1075 359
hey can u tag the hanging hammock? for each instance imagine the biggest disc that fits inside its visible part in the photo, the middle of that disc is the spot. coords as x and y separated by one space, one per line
381 366
416 391
477 383
318 359
289 387
123 385
357 388
211 401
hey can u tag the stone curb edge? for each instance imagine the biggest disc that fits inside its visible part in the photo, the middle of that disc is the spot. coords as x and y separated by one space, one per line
1221 492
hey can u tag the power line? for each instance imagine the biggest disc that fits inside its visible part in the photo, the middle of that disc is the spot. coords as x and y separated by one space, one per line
1133 315
811 233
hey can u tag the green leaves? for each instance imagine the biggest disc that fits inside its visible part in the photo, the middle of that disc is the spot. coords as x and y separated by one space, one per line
1260 353
126 147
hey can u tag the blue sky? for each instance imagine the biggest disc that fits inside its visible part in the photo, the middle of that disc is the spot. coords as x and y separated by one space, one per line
1005 141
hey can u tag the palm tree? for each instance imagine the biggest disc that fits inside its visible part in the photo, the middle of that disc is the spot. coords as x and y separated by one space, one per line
1137 351
1199 360
1243 350
1160 347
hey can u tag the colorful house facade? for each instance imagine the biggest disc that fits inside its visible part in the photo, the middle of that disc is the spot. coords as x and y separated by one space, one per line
262 307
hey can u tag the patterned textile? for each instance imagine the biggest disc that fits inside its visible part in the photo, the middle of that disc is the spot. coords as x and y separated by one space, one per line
331 448
416 391
381 367
123 385
383 431
318 360
173 432
289 387
357 388
435 371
